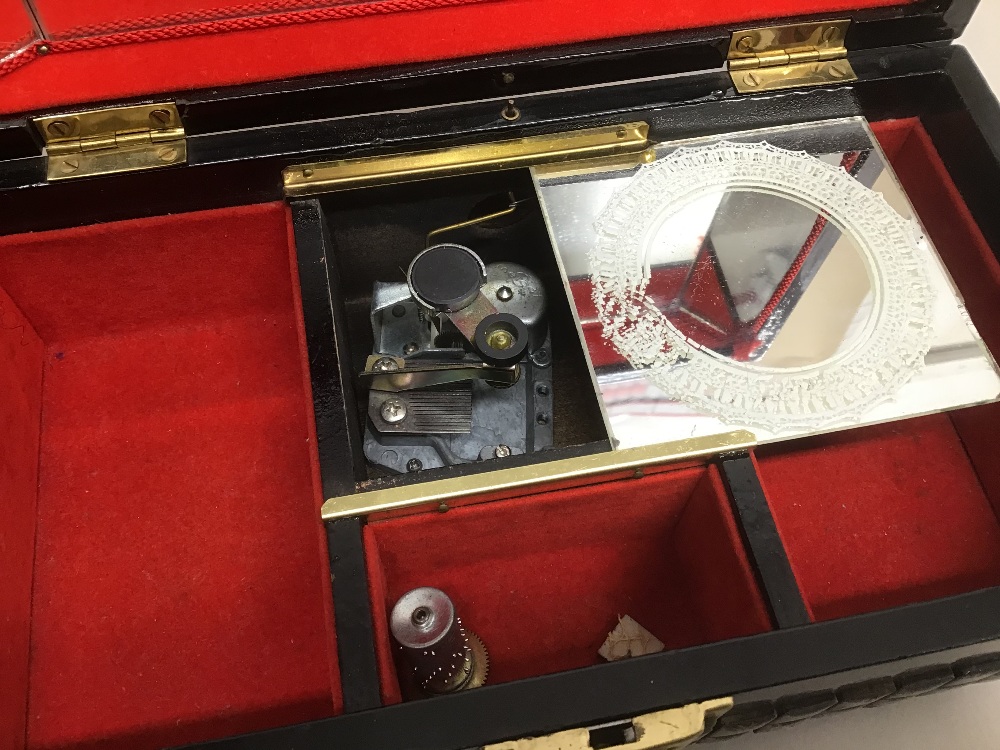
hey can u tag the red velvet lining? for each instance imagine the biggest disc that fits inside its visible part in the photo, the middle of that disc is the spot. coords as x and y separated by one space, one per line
21 355
542 579
977 273
882 516
895 514
180 588
72 75
16 30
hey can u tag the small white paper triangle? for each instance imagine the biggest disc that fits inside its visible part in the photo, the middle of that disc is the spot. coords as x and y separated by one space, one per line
629 638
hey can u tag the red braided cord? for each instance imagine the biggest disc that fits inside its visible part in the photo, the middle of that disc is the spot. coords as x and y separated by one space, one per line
223 26
21 59
210 14
789 278
16 46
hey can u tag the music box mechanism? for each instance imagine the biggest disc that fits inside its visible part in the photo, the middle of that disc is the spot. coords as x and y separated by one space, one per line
462 360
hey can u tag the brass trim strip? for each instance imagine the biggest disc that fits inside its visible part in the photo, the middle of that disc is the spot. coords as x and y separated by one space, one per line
505 482
324 177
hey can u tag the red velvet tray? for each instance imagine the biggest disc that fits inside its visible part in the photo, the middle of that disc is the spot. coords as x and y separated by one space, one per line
179 585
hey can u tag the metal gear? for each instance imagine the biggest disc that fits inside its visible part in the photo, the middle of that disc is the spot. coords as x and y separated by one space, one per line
481 663
444 656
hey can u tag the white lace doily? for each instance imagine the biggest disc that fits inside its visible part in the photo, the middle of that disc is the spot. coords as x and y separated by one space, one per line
887 355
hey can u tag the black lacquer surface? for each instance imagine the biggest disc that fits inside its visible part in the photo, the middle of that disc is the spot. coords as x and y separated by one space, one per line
763 542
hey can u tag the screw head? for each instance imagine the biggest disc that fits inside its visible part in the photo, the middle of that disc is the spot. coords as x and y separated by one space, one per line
60 128
410 348
502 451
167 153
308 172
414 464
510 113
542 357
393 411
507 77
751 79
385 364
505 294
830 33
70 165
746 44
838 72
159 118
422 617
542 389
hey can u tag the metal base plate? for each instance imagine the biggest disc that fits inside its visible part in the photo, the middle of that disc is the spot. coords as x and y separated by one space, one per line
518 417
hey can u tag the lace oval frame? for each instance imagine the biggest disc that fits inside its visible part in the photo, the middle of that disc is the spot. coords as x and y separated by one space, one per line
889 353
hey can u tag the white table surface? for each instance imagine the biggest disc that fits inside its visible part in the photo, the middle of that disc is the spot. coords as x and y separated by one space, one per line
967 718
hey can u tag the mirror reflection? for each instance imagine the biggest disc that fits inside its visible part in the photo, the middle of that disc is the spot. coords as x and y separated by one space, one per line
760 279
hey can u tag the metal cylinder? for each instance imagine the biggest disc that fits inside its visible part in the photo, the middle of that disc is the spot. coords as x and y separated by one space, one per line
446 277
515 289
444 656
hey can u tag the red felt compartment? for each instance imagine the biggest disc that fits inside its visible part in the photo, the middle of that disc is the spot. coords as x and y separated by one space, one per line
905 512
542 579
278 39
181 588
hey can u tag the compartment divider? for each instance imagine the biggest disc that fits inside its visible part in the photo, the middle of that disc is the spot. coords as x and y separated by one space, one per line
774 571
359 680
338 431
340 455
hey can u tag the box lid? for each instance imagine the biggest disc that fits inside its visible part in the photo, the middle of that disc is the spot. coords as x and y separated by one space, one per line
61 53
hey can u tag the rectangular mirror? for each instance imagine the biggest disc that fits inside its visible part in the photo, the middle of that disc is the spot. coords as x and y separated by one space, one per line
774 280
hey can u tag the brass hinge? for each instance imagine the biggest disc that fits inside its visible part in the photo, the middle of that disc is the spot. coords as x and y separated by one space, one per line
786 57
118 139
674 728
